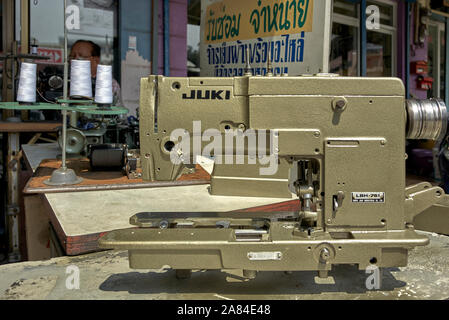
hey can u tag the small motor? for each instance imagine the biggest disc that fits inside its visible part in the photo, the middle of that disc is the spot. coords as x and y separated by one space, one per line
108 157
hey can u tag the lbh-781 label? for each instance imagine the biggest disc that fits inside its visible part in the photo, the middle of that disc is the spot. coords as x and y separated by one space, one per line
368 197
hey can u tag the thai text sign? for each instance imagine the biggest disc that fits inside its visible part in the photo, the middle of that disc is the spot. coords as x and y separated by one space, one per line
241 20
294 34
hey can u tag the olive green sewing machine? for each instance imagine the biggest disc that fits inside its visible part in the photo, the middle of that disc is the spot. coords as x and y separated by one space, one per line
335 143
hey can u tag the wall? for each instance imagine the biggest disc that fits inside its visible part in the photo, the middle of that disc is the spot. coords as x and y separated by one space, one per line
417 53
178 37
136 20
401 37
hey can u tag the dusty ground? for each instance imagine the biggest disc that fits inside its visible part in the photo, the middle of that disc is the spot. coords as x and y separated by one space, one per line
107 275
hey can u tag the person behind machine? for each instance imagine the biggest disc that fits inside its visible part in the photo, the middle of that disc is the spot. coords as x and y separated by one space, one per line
83 50
88 50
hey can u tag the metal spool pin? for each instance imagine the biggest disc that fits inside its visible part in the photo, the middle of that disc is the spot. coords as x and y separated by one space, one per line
64 176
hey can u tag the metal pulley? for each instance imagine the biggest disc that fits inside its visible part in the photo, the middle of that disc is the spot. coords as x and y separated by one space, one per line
76 141
426 119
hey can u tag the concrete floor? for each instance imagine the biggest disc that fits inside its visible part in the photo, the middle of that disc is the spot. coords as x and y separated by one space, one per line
106 275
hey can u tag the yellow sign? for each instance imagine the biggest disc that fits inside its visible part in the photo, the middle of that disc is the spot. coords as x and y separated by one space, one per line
231 20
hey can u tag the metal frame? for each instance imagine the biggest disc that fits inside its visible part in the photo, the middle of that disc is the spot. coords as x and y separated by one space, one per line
25 26
390 30
446 89
166 38
13 207
407 49
8 24
155 38
352 22
438 17
211 248
363 35
360 24
437 71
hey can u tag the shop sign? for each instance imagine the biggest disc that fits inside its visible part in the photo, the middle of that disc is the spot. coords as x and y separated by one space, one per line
55 55
294 34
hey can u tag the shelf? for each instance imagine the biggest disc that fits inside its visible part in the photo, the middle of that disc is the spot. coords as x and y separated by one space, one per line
85 106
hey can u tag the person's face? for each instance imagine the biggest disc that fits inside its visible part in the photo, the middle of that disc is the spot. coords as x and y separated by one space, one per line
83 51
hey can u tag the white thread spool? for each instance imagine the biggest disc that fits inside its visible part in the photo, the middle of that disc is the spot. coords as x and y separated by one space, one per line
34 49
103 85
80 78
27 83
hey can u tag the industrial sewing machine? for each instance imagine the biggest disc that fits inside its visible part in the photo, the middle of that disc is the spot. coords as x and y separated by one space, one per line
337 144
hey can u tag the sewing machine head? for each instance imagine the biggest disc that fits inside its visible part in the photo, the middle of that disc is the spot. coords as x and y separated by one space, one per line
326 139
336 143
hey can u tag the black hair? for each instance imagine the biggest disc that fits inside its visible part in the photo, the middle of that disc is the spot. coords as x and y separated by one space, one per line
96 49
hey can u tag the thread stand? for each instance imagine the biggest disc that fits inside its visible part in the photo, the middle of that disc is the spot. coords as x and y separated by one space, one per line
65 176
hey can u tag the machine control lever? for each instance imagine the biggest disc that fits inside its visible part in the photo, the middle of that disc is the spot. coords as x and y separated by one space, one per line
338 200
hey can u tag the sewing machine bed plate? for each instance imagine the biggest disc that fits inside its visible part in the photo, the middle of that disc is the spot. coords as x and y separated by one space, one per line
80 218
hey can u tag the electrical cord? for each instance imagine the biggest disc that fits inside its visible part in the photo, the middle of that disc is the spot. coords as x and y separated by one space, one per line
48 101
98 125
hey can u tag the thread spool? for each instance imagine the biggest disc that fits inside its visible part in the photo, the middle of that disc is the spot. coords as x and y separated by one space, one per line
34 49
80 79
103 85
27 83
